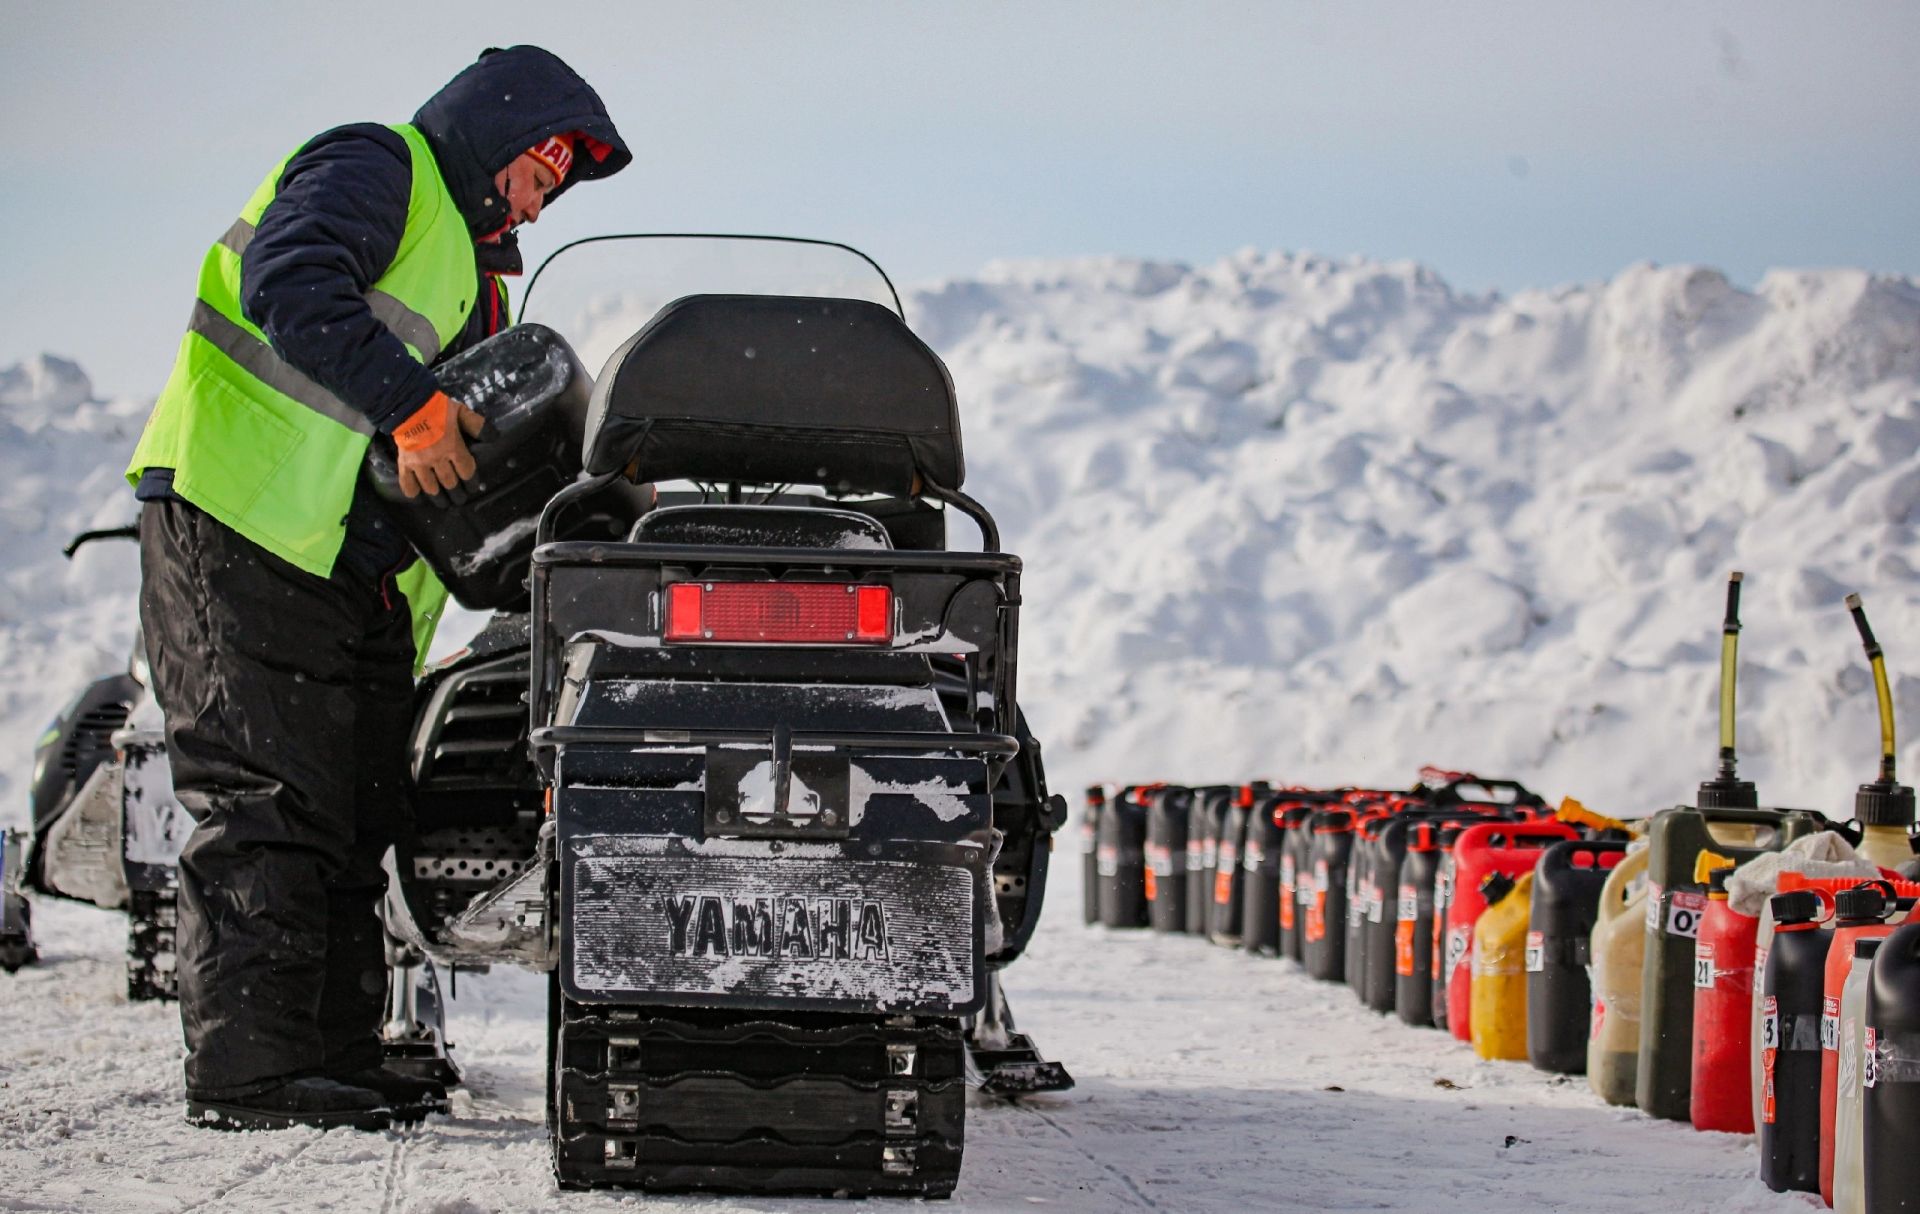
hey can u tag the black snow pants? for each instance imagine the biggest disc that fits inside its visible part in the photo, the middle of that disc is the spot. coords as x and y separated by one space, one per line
288 699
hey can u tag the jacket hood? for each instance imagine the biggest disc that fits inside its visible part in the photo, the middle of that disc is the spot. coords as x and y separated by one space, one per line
504 103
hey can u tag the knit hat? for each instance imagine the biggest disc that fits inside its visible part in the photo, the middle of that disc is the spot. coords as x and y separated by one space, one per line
556 152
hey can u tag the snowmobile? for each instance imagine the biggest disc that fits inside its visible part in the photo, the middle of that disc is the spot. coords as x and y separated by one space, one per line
739 763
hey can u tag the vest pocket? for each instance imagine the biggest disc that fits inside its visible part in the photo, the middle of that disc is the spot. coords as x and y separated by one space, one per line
244 445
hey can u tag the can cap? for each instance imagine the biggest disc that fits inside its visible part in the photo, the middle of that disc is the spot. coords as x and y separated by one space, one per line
1726 794
1717 882
1883 803
1861 902
1495 886
1798 906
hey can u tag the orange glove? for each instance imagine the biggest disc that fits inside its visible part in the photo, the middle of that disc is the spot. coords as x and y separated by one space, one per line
433 456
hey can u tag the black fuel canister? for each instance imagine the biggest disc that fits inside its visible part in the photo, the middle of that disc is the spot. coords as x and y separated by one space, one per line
530 387
1089 852
1324 940
1296 846
1413 924
1122 855
1229 878
1166 874
1891 1076
1366 829
1378 988
1792 990
1567 882
1210 804
1260 865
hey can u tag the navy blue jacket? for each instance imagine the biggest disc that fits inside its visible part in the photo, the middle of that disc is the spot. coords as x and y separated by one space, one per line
337 220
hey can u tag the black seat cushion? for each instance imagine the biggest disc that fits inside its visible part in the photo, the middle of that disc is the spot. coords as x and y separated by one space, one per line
774 389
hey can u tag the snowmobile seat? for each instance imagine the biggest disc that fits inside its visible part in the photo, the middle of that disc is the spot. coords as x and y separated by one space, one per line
771 389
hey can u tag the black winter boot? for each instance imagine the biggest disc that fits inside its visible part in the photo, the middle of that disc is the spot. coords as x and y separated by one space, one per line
321 1103
411 1099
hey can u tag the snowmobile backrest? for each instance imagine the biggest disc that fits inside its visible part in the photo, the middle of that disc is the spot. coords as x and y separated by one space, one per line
774 389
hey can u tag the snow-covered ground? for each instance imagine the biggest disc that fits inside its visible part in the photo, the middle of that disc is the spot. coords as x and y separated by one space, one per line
1283 516
1208 1080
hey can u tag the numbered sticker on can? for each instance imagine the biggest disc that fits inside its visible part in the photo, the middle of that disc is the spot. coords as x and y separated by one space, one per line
1684 912
1409 908
1536 952
1830 1024
1703 967
1770 1023
1459 944
1870 1060
1653 906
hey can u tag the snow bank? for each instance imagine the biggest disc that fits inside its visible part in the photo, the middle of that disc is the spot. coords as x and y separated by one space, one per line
1329 520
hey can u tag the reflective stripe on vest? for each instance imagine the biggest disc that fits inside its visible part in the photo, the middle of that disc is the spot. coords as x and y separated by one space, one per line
261 446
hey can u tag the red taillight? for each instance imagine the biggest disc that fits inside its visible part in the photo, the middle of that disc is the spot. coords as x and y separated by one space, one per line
792 613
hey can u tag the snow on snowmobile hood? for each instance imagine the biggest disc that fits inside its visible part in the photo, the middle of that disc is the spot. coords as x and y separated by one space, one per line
504 103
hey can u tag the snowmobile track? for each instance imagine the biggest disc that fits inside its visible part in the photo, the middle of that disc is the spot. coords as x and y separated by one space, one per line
394 1184
1146 1202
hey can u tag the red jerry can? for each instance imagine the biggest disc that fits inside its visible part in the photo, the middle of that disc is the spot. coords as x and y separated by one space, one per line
1512 848
1722 1093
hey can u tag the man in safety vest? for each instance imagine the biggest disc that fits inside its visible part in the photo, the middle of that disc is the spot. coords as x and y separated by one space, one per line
283 614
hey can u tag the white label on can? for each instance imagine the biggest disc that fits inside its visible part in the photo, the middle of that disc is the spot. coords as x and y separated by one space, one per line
1770 1023
1255 857
1536 952
1653 906
1684 912
1377 905
1409 908
1703 967
1870 1061
1830 1024
1459 944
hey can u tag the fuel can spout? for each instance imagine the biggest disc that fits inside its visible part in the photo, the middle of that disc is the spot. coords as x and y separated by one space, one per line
1727 790
1885 802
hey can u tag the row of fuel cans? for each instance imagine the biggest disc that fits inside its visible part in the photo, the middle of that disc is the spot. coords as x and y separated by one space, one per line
1685 963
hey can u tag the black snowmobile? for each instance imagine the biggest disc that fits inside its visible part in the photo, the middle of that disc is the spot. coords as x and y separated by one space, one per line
739 763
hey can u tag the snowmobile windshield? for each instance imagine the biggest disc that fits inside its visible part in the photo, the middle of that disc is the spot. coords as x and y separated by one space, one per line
602 290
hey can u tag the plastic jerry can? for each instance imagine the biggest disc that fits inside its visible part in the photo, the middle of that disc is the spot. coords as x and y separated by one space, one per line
1122 856
1295 845
1260 876
1567 883
1366 835
1089 852
1619 942
1498 1013
1203 852
1166 875
1664 1083
1323 937
1890 1076
1849 1182
1512 848
1229 879
1437 959
1413 962
1858 913
1382 926
1721 1098
531 389
1791 989
1788 881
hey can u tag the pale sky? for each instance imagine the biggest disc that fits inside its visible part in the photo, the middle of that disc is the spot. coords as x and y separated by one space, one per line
1507 145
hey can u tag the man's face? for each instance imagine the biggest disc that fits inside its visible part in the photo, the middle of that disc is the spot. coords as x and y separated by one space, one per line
525 184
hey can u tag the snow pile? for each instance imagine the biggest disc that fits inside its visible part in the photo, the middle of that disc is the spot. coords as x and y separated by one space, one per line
62 622
1329 520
